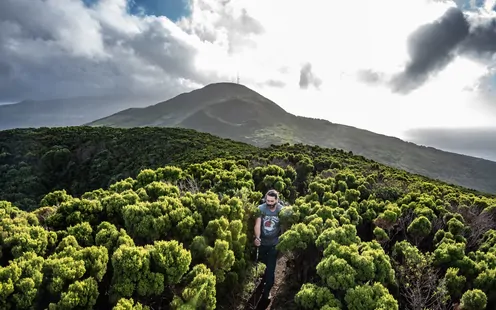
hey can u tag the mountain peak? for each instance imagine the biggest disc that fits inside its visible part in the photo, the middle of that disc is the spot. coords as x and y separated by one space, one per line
222 104
224 89
225 84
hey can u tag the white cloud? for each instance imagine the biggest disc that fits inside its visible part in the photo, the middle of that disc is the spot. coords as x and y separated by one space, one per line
62 48
339 39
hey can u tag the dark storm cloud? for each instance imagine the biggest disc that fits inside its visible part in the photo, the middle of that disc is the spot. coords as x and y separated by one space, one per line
54 51
478 142
431 48
482 39
308 78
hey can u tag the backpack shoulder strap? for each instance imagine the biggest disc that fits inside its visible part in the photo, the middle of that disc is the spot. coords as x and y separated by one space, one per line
262 210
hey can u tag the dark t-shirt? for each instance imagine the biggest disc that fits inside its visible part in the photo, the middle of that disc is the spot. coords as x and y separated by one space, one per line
270 226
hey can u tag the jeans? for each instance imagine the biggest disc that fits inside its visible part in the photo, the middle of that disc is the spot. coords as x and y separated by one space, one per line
268 256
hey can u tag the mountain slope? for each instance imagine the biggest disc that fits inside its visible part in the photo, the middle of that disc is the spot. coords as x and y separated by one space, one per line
234 111
214 109
64 112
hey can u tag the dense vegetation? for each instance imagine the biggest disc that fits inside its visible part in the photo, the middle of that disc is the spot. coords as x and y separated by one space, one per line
34 162
359 235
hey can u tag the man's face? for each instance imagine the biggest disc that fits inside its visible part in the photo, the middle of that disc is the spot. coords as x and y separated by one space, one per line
270 201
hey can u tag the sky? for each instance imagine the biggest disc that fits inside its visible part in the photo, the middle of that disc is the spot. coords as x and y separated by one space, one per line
420 70
172 9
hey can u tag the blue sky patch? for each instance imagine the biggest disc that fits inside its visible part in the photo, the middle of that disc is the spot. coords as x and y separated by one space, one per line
172 9
469 5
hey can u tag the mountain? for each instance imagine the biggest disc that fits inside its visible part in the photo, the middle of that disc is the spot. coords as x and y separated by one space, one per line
64 112
216 108
234 111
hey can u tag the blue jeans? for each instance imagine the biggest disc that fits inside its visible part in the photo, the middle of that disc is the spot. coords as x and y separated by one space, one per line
268 256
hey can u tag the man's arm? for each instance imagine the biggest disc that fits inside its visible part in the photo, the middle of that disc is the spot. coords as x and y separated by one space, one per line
258 225
258 222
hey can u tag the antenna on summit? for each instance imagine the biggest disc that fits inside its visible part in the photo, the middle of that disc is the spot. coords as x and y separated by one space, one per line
237 78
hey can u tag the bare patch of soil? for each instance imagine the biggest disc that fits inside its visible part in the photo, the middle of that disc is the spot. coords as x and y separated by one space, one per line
284 287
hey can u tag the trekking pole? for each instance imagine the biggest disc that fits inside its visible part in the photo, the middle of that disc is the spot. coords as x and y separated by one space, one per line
256 277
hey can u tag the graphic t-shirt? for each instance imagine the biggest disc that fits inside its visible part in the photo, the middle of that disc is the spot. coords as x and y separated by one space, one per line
270 226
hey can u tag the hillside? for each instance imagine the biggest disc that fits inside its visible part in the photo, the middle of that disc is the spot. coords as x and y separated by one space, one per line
34 162
236 112
64 112
358 235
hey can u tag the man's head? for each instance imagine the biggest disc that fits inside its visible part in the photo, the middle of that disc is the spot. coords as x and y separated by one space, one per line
271 198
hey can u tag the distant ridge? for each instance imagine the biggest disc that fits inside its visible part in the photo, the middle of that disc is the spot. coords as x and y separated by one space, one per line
64 111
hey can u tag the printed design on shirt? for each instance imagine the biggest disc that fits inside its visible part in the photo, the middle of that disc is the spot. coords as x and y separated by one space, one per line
270 224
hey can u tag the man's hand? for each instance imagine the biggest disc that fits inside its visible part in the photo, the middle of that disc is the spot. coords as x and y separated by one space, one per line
257 241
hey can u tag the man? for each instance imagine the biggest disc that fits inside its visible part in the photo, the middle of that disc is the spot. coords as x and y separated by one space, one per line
267 230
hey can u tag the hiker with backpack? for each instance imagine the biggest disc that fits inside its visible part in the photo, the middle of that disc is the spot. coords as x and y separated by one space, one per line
267 231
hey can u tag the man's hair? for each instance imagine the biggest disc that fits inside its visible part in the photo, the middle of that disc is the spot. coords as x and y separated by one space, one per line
273 193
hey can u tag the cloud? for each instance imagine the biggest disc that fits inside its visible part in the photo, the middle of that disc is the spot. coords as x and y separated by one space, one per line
275 83
222 22
369 76
385 65
58 49
307 77
431 48
482 39
435 45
